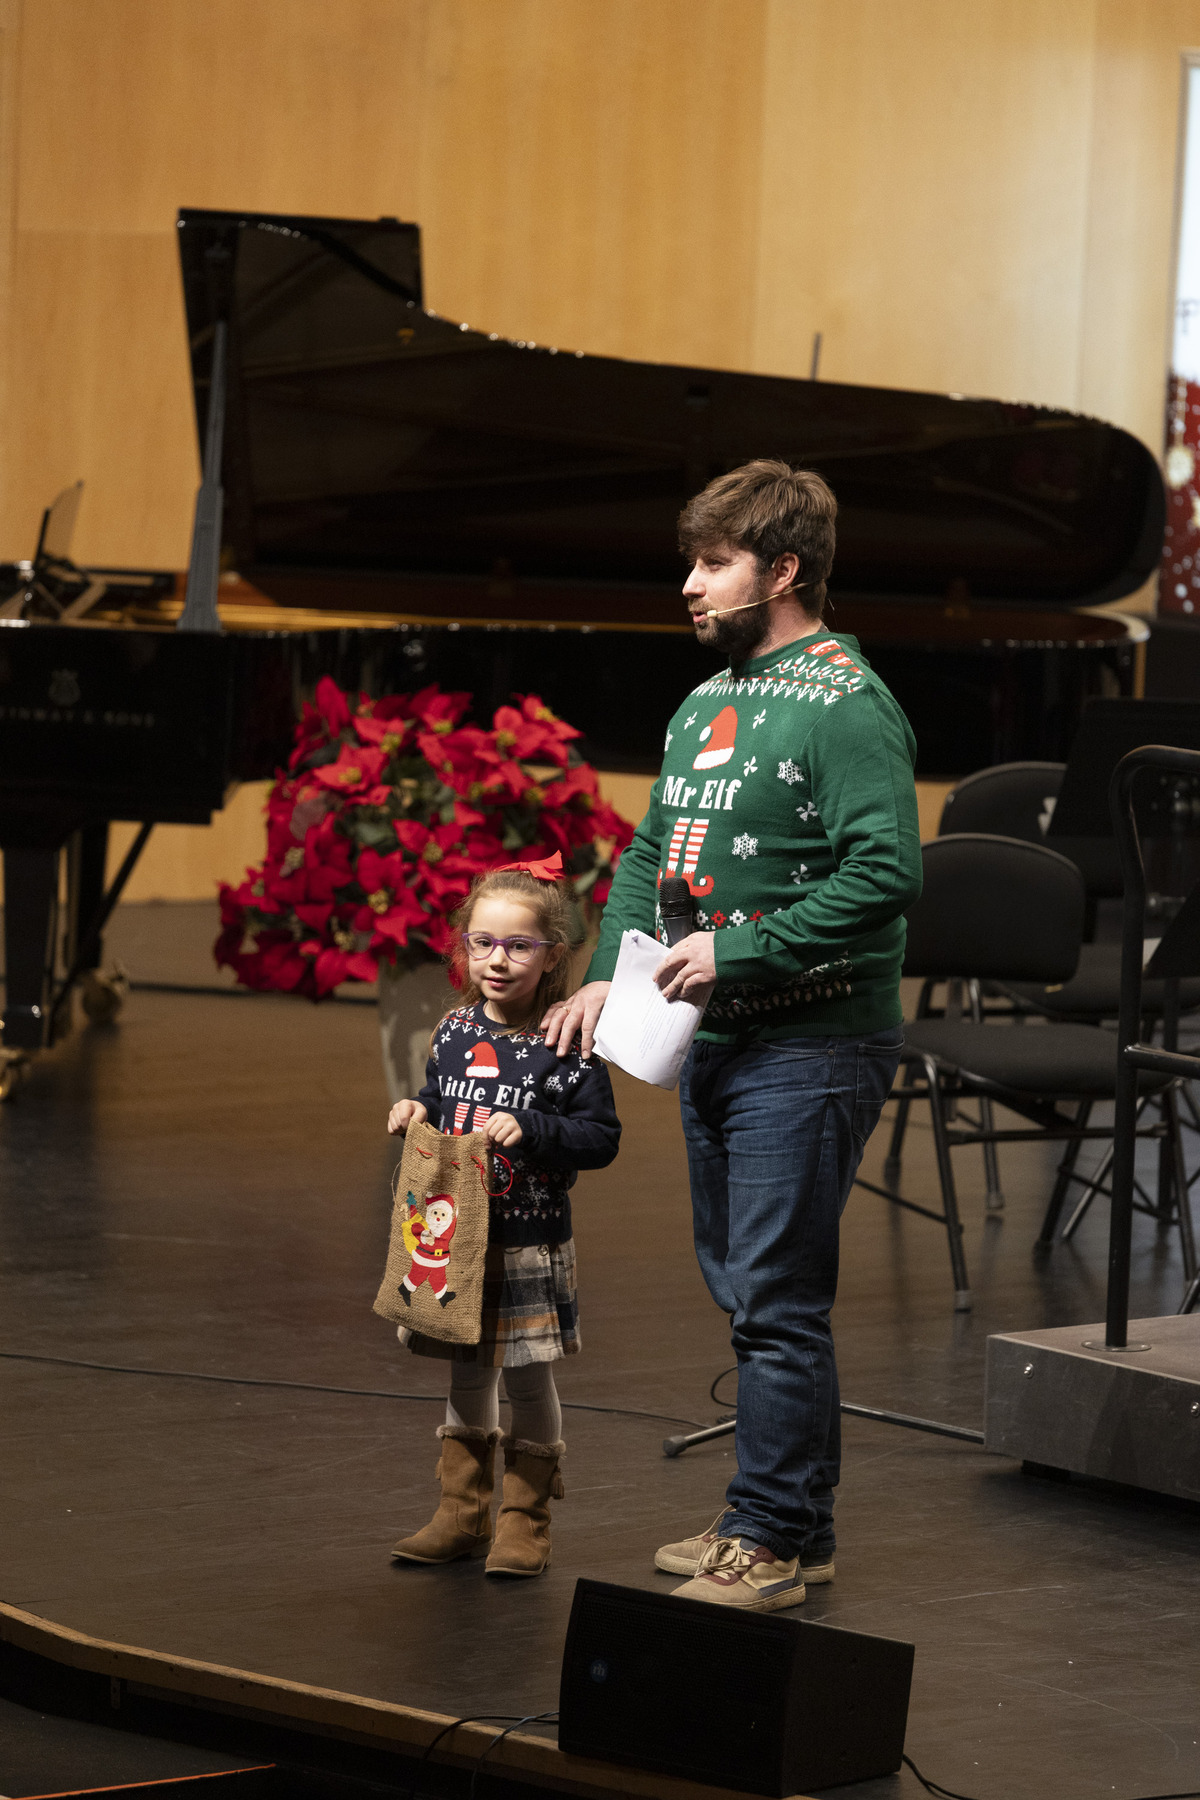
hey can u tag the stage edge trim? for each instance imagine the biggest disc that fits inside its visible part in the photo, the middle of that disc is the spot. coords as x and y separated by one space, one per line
351 1717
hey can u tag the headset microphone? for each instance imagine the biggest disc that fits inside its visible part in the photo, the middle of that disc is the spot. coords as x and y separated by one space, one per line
720 612
675 905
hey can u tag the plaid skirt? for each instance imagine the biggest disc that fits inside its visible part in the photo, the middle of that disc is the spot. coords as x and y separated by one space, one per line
530 1310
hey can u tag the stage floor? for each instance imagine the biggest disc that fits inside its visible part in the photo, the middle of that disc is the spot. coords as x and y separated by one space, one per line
205 1188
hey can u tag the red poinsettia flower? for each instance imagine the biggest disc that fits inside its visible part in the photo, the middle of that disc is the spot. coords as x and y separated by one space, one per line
439 713
532 733
390 910
315 915
441 936
390 706
332 705
332 967
385 734
279 964
329 901
355 771
465 760
404 915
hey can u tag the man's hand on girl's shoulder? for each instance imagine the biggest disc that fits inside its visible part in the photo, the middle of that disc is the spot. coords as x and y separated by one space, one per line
504 1130
403 1114
578 1014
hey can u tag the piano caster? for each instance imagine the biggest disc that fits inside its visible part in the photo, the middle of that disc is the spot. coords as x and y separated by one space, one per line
13 1064
103 996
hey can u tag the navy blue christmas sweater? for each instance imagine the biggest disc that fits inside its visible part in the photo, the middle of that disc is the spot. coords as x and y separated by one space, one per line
564 1106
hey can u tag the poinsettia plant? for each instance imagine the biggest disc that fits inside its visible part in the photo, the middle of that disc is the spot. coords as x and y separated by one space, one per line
386 812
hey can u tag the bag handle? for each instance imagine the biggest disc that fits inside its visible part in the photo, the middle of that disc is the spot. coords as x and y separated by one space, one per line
494 1193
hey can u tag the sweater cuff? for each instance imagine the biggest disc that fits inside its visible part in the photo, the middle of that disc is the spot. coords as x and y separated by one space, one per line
736 953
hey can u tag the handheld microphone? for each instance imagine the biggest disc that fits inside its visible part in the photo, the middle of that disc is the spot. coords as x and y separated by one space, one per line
675 905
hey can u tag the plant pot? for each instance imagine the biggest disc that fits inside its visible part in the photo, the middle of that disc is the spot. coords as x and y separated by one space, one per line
411 1001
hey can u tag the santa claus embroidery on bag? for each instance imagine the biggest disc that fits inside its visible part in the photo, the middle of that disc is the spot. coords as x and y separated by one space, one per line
427 1238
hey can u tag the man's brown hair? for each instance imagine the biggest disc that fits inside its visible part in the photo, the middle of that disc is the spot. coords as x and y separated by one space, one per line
769 508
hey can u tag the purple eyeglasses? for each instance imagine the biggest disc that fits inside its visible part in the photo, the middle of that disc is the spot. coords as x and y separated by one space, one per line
518 949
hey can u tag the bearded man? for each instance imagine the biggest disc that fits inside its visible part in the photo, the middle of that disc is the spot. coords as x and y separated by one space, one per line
786 801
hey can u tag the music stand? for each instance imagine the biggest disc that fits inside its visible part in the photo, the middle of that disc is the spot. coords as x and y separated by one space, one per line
1108 730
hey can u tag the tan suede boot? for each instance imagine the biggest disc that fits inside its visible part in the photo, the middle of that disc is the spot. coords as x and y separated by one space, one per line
531 1481
462 1524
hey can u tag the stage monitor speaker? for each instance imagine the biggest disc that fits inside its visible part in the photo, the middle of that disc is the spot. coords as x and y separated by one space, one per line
765 1702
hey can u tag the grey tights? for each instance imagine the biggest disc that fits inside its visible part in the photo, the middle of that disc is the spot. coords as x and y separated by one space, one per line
530 1391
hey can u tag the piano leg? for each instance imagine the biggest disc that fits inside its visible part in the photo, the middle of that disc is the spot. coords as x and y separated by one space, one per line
87 857
30 929
83 944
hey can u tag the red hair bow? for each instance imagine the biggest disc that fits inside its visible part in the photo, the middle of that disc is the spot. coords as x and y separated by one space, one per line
551 869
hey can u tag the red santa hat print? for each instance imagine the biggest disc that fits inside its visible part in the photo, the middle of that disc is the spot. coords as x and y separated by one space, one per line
481 1060
717 739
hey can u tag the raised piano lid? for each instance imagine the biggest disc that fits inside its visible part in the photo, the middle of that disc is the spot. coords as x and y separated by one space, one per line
380 457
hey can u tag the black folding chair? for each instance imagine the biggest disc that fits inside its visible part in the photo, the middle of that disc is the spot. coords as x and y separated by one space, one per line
1017 800
998 909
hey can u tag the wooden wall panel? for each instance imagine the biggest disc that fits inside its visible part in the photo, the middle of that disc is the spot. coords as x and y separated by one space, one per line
10 85
589 172
925 172
584 172
1127 295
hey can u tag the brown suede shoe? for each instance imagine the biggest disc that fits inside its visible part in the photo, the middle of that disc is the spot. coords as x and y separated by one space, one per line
462 1524
738 1572
531 1481
683 1558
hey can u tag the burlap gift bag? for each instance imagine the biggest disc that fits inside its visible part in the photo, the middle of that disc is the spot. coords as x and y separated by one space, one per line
433 1282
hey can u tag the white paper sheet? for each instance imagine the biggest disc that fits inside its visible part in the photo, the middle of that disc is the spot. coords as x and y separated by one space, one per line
638 1030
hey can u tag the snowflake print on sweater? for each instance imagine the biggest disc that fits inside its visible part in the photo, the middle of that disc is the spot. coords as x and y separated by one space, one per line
805 895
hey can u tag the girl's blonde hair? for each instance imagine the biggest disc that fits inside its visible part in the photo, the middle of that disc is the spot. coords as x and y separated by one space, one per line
552 904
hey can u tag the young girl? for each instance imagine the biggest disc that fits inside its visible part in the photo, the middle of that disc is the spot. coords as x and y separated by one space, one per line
489 1070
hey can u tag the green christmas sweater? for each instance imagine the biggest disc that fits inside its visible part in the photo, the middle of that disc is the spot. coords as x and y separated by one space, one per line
786 801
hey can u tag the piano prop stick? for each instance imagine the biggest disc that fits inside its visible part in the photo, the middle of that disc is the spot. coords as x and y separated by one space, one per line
204 569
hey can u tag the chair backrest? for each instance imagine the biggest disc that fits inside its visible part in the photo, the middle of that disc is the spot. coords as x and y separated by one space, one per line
995 909
1008 800
1016 800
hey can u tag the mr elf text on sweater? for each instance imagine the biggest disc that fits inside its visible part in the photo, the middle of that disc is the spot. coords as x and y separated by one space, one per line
795 868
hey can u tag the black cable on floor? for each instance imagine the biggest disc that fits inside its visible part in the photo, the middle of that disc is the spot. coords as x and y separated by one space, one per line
945 1793
468 1719
880 1417
529 1719
309 1387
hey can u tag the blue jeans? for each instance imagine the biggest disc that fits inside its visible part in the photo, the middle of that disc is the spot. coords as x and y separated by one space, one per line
775 1130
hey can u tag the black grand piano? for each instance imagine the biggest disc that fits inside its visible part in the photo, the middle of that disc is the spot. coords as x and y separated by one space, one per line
393 498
